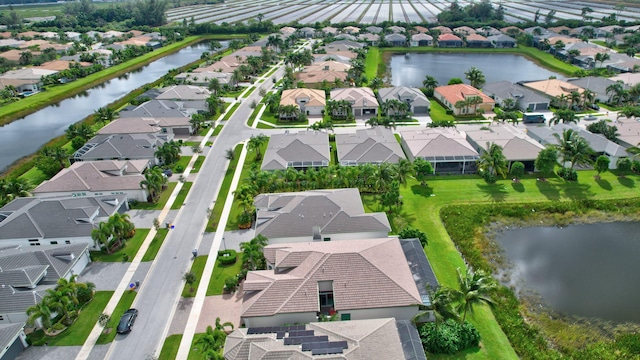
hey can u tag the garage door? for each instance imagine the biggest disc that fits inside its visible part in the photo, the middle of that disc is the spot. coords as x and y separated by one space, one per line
421 110
181 131
357 112
369 111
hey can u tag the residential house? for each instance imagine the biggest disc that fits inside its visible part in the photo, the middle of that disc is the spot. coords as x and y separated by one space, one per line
511 30
562 30
28 35
596 84
374 29
597 142
178 126
446 149
452 96
611 29
326 71
629 132
298 150
448 40
340 278
363 101
203 78
12 340
318 58
60 65
14 55
310 101
553 89
342 45
629 79
464 31
421 39
396 39
219 66
516 146
347 37
421 29
287 30
351 340
95 178
396 29
526 100
160 108
368 146
27 272
122 147
478 41
329 30
307 32
185 93
317 215
35 221
488 31
587 31
371 39
416 99
29 80
13 43
73 36
351 30
443 30
502 41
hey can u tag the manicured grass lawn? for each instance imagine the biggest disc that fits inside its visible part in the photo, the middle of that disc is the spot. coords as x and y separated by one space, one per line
198 164
194 352
181 164
35 176
231 111
233 94
217 130
224 190
182 195
371 62
255 112
155 245
130 249
246 95
267 116
220 273
438 112
164 197
77 333
170 347
232 223
123 305
264 126
197 268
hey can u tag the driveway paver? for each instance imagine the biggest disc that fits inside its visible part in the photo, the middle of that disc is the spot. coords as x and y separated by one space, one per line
107 275
227 307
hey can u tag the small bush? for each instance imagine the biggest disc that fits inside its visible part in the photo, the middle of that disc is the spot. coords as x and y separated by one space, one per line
179 168
84 295
230 284
488 177
409 233
451 337
227 257
58 326
568 174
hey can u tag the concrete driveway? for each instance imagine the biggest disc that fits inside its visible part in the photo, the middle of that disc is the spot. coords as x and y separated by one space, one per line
107 276
143 219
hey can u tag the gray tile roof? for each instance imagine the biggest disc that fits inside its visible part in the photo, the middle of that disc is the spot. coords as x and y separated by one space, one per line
184 92
358 97
506 90
14 301
437 143
597 142
375 145
142 125
413 96
516 146
52 218
302 146
596 84
370 273
154 108
8 333
333 211
366 339
121 146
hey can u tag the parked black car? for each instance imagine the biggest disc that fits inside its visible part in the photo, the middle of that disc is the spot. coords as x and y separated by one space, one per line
127 320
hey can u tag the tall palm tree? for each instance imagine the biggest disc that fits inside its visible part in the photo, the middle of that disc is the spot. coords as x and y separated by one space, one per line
42 311
404 168
211 343
573 148
235 78
255 144
441 305
493 160
430 83
11 188
153 181
168 153
565 116
615 92
602 57
60 301
475 288
252 256
214 103
102 234
58 154
215 86
475 76
508 104
105 114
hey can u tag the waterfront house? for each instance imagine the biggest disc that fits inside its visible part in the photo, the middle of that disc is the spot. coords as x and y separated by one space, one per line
375 145
159 108
516 146
457 98
478 41
363 101
449 41
122 147
203 78
526 99
446 149
421 39
298 150
396 39
178 126
416 99
502 41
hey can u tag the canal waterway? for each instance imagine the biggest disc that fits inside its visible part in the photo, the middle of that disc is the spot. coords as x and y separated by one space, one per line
583 270
411 70
26 135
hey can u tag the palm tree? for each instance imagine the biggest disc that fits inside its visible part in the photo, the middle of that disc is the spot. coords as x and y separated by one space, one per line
255 144
508 104
42 311
441 305
211 342
404 168
153 181
615 92
168 153
565 116
376 83
60 301
105 114
11 188
235 78
575 98
58 154
474 289
475 76
252 256
588 97
602 57
430 83
215 86
573 148
102 235
493 160
213 103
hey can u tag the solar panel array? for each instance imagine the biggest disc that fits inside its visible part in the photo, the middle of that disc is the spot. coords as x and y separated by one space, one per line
274 329
299 335
305 340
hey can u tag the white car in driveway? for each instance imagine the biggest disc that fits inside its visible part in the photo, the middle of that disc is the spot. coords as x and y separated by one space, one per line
589 117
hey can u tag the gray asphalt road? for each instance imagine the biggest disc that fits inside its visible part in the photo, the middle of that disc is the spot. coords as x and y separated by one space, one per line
160 290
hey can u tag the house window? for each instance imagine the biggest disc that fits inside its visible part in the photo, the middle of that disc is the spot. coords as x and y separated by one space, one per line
34 242
345 317
67 242
54 242
326 239
326 299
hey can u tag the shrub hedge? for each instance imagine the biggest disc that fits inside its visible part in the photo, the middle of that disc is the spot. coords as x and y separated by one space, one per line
227 257
450 337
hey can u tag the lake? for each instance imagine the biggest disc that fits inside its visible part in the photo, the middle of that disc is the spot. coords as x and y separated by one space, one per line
411 70
584 270
26 135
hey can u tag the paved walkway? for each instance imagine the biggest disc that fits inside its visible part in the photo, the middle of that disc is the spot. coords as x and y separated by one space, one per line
143 219
60 352
107 275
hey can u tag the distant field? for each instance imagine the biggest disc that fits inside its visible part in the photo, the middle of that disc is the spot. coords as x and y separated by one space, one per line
42 10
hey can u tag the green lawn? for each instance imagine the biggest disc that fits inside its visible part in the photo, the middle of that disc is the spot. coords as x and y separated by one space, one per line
217 130
197 268
224 190
182 195
227 116
254 114
35 176
123 305
232 223
194 352
170 347
274 119
155 245
438 112
246 95
130 249
371 62
233 94
181 164
198 164
77 333
164 197
220 273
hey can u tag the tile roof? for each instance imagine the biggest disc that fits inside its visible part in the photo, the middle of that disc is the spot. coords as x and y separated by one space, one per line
418 98
443 29
421 36
516 146
375 145
432 143
184 92
296 147
9 333
204 77
142 125
366 339
448 37
371 273
629 130
31 73
220 66
88 176
338 211
121 146
362 97
59 65
155 108
553 87
506 89
476 37
316 97
54 218
323 71
597 142
458 92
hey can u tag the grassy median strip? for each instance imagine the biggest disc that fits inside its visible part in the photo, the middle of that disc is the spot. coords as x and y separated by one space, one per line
170 347
127 253
216 212
77 333
220 273
182 195
197 268
164 197
227 116
254 114
155 245
123 305
198 164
